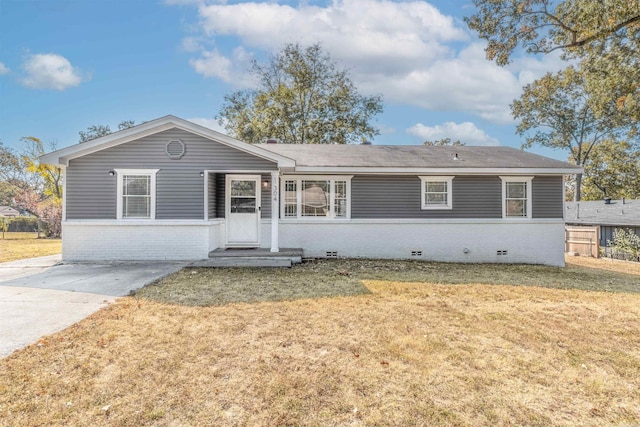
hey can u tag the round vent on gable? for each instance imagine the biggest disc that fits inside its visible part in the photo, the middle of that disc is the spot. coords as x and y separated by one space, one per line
175 149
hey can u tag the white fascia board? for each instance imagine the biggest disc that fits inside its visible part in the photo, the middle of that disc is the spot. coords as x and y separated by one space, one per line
62 156
437 171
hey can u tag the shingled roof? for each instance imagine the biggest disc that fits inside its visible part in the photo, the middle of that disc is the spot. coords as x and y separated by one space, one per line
620 213
414 156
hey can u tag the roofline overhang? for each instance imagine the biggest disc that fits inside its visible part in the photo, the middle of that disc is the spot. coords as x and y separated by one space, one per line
451 171
63 156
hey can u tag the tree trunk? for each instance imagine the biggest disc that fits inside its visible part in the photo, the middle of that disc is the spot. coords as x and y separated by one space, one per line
576 193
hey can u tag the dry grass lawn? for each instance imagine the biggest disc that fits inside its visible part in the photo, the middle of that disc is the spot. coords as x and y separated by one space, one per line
17 246
402 353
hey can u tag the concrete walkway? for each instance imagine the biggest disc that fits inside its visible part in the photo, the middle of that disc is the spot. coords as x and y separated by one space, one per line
27 267
39 296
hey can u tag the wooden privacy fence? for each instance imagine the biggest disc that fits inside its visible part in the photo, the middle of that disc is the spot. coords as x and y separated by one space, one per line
584 241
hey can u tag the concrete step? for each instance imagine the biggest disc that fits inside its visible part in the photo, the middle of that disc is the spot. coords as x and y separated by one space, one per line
238 261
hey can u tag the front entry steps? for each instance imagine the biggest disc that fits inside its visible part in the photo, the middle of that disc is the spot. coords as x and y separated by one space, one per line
252 257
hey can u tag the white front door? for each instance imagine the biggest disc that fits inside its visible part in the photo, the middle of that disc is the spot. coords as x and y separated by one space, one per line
243 210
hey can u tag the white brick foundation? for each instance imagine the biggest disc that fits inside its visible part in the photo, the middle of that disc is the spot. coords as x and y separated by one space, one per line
531 241
138 240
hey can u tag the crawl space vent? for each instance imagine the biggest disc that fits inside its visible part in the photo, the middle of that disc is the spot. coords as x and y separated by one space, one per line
416 253
501 252
332 254
175 149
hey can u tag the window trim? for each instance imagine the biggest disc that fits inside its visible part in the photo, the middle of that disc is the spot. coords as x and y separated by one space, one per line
332 194
529 206
423 199
120 191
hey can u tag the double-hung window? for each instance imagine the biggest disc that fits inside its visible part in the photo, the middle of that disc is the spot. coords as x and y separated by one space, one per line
516 196
436 192
136 194
316 197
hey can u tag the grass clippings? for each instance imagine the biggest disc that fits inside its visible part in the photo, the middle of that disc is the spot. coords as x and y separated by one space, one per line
399 349
17 246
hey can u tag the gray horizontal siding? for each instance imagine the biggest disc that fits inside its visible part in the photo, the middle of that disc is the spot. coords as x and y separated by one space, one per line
91 192
473 197
265 197
211 186
546 192
400 197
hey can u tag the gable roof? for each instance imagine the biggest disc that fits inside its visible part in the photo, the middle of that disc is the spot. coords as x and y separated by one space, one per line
621 213
61 157
397 159
8 210
418 158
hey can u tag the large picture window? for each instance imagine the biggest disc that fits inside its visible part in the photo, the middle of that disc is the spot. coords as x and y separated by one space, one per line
436 192
516 196
315 197
136 193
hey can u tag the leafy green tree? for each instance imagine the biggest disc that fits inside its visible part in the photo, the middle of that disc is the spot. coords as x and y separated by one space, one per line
604 35
302 98
612 170
555 112
96 131
443 142
13 176
50 176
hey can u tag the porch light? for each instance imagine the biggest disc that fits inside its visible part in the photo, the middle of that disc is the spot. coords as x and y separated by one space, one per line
265 183
112 173
201 173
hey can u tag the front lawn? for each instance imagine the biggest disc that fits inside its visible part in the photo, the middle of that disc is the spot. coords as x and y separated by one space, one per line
324 278
400 348
17 246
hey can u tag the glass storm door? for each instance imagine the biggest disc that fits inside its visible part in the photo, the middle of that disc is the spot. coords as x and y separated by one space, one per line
243 210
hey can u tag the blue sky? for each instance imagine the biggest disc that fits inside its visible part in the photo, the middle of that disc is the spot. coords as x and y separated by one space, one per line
69 64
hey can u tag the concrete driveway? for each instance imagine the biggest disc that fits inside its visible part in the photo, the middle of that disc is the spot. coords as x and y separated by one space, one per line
40 296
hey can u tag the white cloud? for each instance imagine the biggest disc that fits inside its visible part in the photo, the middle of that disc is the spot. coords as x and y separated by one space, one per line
529 69
386 130
50 71
230 70
408 51
466 132
377 33
466 82
208 123
4 69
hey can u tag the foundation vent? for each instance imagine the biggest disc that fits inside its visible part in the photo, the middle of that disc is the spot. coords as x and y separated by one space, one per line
416 253
332 254
501 252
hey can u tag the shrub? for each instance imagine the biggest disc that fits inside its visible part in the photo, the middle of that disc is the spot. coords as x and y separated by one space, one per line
626 241
23 225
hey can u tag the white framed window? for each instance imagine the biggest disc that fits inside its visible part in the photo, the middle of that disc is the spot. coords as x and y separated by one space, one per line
437 192
316 197
136 193
516 196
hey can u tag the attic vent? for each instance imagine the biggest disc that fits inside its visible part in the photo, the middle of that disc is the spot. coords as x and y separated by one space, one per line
175 149
332 254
